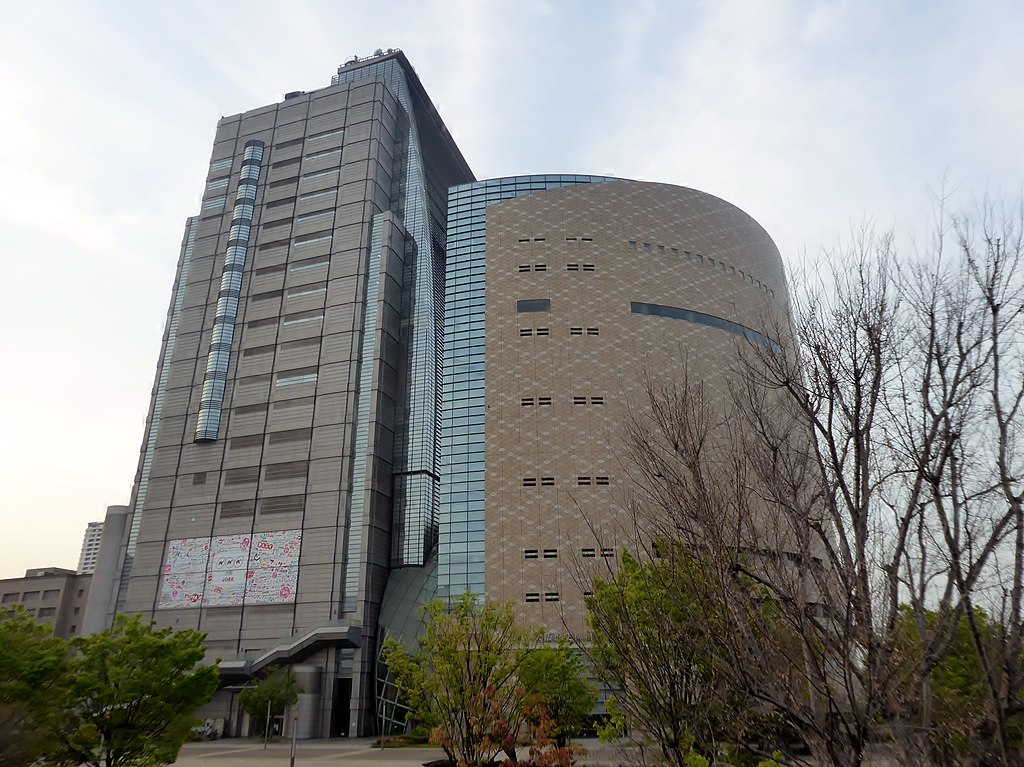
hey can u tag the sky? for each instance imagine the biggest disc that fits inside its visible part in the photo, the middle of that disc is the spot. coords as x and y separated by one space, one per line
815 117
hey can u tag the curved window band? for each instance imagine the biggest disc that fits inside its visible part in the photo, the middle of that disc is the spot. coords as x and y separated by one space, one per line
710 320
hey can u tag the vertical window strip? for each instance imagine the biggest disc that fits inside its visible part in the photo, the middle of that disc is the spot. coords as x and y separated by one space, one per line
219 356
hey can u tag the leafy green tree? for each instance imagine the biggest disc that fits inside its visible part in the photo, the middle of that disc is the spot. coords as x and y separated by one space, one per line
278 690
653 627
32 665
557 678
130 695
463 679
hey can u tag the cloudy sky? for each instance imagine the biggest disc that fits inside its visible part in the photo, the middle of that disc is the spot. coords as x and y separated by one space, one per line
811 116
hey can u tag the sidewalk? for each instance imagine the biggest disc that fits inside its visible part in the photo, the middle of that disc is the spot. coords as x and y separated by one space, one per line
343 752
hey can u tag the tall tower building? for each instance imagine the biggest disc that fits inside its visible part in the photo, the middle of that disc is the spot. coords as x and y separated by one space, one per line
90 548
383 381
290 459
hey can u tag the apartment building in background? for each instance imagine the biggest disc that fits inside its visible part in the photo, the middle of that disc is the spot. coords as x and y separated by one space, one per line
383 381
90 548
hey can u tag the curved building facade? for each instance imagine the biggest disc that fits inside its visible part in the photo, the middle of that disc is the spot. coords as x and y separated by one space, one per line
561 292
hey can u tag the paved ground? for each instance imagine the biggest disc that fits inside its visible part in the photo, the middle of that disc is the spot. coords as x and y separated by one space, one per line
343 752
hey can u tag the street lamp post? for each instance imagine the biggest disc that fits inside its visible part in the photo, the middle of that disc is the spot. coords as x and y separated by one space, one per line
295 734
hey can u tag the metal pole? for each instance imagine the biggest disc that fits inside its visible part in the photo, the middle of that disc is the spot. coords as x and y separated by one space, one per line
295 734
266 728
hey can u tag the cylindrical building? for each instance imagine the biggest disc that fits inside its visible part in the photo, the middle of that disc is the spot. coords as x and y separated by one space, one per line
563 294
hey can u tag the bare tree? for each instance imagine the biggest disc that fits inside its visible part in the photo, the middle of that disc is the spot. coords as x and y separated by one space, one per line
863 476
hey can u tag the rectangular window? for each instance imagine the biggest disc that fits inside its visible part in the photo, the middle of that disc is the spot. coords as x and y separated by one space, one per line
532 596
597 400
543 400
540 267
47 612
543 332
579 400
310 263
30 596
251 440
547 481
601 480
306 242
324 153
550 553
266 296
236 509
524 267
295 379
306 290
247 476
661 249
9 598
526 331
529 482
219 165
647 247
320 215
299 318
587 553
325 134
593 332
586 239
526 402
533 305
217 184
320 174
320 195
289 470
50 595
607 552
283 504
530 553
550 596
214 202
632 244
582 481
575 331
572 267
674 251
291 435
588 268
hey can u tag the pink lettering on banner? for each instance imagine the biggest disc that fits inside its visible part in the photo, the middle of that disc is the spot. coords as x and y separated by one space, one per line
285 592
167 569
265 545
245 543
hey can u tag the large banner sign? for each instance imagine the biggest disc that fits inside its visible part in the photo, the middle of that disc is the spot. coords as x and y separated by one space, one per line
231 570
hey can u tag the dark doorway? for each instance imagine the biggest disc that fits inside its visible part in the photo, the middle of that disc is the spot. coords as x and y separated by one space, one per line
341 710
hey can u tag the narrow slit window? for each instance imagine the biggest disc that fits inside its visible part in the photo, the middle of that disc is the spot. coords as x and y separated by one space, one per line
524 267
550 596
601 481
607 552
588 553
526 401
582 481
532 596
543 332
543 400
597 400
550 553
575 331
547 481
593 331
526 331
529 482
530 554
588 268
540 267
579 400
572 267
